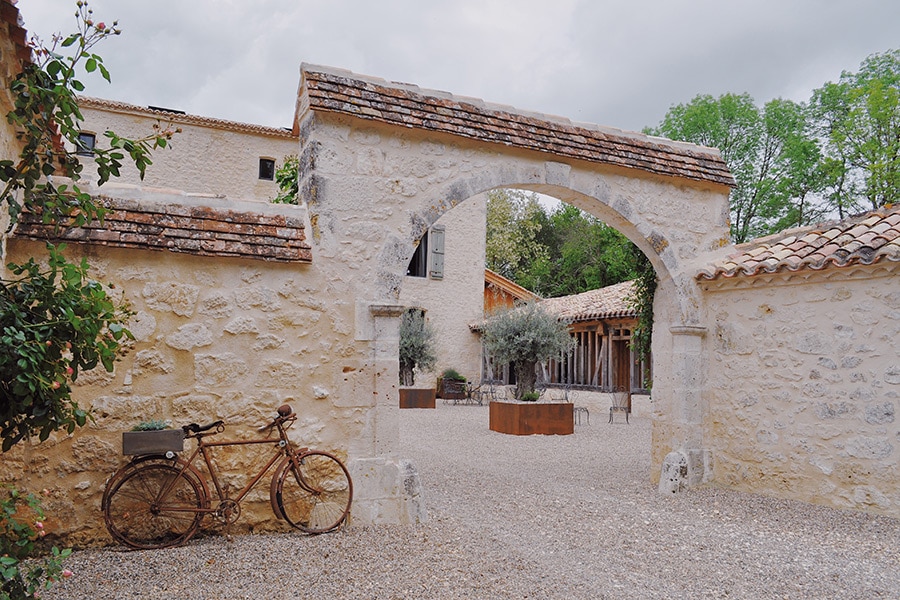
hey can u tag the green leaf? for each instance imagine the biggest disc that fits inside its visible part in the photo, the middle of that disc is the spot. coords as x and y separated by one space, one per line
90 65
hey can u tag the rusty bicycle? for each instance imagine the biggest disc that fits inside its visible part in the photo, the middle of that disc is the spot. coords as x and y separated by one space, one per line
158 500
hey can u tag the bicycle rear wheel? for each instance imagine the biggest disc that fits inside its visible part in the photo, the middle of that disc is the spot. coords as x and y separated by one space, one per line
154 506
314 492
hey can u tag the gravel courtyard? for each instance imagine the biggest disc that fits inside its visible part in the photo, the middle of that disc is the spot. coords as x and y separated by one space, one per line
566 517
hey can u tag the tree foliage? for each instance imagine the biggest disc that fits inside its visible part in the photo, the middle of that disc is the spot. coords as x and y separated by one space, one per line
763 148
523 337
858 119
562 252
514 221
795 164
287 178
55 320
417 351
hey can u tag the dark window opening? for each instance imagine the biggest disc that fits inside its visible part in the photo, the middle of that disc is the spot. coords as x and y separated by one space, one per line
267 169
86 143
418 265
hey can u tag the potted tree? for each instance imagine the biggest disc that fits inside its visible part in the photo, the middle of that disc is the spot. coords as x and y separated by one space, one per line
417 353
523 337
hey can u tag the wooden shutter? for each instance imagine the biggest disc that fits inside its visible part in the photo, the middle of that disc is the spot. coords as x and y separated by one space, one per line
437 252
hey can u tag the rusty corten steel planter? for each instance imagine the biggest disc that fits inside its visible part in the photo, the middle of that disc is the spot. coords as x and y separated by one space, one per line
417 397
530 418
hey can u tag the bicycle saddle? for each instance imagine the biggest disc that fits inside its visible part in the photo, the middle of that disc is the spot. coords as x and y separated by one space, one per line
285 410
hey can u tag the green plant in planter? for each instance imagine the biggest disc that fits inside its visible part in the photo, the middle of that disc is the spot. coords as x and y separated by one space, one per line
452 374
416 345
152 425
531 396
525 336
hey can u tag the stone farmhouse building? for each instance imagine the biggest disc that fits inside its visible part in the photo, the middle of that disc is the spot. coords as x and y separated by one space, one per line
775 363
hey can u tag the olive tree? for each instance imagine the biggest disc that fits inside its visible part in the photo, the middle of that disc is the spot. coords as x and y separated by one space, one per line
416 345
525 336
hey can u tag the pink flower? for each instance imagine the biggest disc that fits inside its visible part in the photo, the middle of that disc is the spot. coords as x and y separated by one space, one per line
66 573
38 524
101 25
69 370
55 385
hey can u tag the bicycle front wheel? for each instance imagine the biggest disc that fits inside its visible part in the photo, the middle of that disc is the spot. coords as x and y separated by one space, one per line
314 492
154 506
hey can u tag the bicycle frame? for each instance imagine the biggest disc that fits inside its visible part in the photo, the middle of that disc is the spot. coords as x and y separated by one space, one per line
284 449
311 490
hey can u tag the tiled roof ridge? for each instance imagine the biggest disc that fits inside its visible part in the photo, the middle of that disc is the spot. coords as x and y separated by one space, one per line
184 227
608 302
407 105
178 117
863 239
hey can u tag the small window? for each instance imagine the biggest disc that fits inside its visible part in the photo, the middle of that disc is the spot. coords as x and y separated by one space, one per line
418 265
86 143
267 169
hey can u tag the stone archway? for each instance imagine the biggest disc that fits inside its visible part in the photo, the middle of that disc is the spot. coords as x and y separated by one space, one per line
381 161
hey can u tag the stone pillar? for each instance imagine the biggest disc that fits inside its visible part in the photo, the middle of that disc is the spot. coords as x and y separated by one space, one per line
689 463
387 489
387 377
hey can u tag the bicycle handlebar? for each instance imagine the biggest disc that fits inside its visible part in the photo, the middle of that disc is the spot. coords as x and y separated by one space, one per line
194 428
285 413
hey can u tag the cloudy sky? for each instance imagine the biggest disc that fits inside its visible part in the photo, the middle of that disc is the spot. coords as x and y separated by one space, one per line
617 63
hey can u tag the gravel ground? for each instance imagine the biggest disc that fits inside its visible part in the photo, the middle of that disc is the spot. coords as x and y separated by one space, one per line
530 517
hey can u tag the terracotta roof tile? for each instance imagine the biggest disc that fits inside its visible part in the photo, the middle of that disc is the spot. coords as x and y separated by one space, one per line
181 118
184 227
331 90
604 303
864 239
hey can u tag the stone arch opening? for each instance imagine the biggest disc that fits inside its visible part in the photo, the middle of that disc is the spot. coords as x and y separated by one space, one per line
403 157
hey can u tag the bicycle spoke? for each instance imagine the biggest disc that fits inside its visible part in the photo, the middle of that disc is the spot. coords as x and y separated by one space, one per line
154 507
316 493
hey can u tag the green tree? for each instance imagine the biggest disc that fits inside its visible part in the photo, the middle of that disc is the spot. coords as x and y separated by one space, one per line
763 148
514 222
523 337
287 178
859 119
55 320
581 253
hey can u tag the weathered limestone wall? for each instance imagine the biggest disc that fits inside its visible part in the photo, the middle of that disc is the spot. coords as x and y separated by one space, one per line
210 156
457 300
804 387
232 339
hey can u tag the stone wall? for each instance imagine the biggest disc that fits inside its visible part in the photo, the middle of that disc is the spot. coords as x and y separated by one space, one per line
219 337
455 301
212 157
802 394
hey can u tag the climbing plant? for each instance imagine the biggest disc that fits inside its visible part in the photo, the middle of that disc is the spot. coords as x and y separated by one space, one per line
55 321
